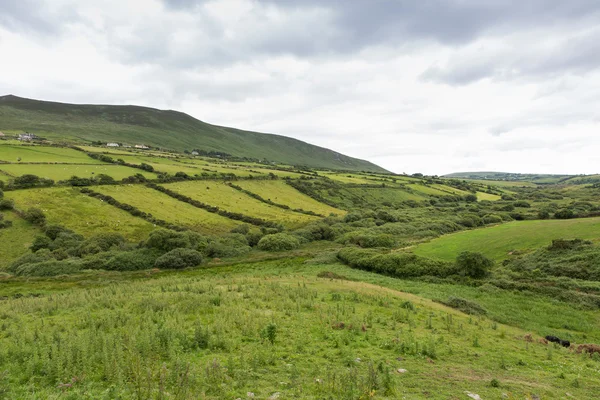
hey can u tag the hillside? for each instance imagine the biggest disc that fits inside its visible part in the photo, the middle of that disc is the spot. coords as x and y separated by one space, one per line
164 129
509 176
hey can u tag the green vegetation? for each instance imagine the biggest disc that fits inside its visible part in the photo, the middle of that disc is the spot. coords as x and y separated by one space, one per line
498 241
63 172
137 125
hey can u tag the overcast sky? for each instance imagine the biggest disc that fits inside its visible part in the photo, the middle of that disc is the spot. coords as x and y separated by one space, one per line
432 86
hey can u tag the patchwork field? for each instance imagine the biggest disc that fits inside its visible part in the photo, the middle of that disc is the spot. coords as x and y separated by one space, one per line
43 154
59 172
83 214
498 241
282 193
429 190
487 196
15 241
358 196
220 195
169 209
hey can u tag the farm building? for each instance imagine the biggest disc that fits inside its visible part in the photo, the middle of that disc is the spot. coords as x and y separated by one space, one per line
112 144
141 146
27 136
194 153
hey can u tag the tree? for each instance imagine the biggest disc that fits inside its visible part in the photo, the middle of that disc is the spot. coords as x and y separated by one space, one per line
471 198
35 216
472 264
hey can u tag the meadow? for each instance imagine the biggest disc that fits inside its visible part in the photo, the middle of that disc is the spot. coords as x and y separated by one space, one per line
229 199
270 329
15 241
168 209
498 241
43 154
76 211
60 172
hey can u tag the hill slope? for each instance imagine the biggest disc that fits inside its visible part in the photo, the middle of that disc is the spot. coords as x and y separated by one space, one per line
167 129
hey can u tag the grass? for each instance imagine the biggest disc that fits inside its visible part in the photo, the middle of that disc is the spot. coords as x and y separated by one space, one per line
15 241
59 172
266 328
282 193
162 129
430 190
169 209
43 154
84 215
229 199
487 196
498 241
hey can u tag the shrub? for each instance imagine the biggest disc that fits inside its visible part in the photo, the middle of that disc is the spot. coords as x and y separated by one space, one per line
564 214
7 204
470 198
30 258
244 229
1 193
472 264
52 231
131 260
232 245
178 259
522 204
167 240
470 220
278 242
492 219
49 268
35 216
40 242
100 242
4 223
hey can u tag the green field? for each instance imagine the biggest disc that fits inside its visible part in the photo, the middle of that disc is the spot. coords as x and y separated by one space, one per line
273 329
83 214
229 199
43 154
281 193
59 172
430 190
487 196
15 241
169 209
498 241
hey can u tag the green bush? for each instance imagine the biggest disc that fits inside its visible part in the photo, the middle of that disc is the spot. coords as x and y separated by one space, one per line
466 306
100 242
135 260
472 264
49 268
7 204
470 198
167 240
52 231
35 216
564 214
231 245
30 258
40 242
178 259
492 219
278 242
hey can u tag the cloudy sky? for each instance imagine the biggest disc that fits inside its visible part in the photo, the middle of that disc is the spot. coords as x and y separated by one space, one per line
433 86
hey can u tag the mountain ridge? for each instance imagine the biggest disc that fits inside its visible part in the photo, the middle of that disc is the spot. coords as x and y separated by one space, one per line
169 129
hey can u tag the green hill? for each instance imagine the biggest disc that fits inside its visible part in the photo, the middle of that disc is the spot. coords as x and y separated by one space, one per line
164 129
509 176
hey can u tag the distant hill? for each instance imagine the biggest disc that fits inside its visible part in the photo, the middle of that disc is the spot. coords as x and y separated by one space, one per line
166 129
509 176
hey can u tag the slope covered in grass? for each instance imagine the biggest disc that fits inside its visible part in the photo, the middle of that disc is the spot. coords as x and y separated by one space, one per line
43 154
15 240
225 197
251 331
165 129
59 172
169 209
497 241
84 215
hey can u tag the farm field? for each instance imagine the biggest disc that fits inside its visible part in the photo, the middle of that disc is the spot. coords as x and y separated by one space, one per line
275 327
60 172
449 189
357 196
82 214
282 193
497 241
43 154
430 190
507 184
169 209
105 150
15 241
487 196
229 199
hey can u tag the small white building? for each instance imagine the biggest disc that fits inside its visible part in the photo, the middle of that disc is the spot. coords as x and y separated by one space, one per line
141 146
194 153
112 144
27 137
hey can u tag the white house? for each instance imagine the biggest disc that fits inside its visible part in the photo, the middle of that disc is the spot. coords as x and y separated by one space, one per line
112 144
27 136
194 153
141 146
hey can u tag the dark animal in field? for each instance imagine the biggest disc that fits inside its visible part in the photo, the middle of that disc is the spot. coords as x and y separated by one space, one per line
588 348
554 339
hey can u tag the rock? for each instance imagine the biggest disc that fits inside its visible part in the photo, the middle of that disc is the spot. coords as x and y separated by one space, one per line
250 394
402 371
275 396
473 396
357 360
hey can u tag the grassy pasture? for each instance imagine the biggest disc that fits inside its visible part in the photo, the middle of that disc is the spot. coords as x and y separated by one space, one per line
272 327
487 196
497 241
449 189
220 195
502 184
63 171
105 150
83 214
282 193
43 154
430 190
169 209
15 241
